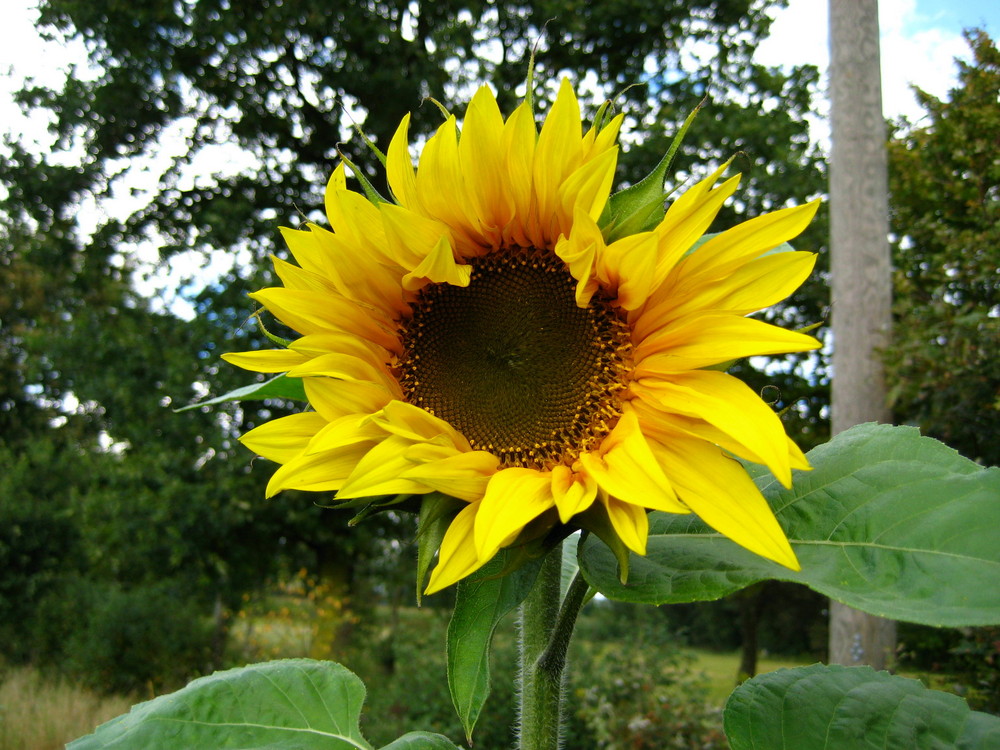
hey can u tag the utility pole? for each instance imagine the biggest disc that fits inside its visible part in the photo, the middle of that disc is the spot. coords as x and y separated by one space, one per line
860 271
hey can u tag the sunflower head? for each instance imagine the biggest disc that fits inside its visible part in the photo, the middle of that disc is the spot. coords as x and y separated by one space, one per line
492 334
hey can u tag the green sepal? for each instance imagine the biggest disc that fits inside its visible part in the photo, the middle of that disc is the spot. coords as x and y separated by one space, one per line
441 108
369 190
377 506
437 511
640 207
280 387
603 116
376 503
369 143
596 520
283 343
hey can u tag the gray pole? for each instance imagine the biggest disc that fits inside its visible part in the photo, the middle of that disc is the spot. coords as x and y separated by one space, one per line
860 270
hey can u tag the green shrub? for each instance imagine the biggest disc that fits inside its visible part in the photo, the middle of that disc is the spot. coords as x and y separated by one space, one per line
634 699
145 639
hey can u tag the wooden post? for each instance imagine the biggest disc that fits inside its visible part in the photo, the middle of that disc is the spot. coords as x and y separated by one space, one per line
860 270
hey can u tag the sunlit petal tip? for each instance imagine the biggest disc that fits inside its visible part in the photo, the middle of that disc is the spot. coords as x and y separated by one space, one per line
457 557
572 492
630 523
514 498
338 179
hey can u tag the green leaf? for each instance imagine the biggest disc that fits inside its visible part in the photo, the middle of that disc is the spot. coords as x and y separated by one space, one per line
294 703
481 601
279 387
887 521
851 707
421 741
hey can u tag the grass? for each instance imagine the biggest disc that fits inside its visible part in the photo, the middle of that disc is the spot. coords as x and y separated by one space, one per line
720 668
41 714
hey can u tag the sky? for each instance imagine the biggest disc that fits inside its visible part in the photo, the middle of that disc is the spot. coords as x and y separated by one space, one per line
920 40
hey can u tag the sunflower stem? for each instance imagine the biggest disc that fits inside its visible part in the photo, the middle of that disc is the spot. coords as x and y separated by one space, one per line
545 632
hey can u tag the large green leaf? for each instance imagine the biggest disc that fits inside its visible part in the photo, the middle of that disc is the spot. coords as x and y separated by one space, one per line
421 741
887 521
481 601
294 703
851 708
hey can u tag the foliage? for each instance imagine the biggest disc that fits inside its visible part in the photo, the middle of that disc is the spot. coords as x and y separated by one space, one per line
271 90
945 204
41 545
643 698
833 706
295 703
882 523
146 638
967 659
631 687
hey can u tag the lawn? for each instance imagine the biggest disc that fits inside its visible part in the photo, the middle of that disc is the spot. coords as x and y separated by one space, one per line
720 668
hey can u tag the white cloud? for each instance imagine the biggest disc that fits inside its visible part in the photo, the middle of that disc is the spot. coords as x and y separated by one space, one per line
924 57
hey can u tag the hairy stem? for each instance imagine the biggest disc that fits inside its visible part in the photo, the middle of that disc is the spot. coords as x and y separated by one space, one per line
545 632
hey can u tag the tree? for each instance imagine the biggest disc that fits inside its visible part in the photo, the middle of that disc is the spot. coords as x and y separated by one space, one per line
860 275
942 365
275 88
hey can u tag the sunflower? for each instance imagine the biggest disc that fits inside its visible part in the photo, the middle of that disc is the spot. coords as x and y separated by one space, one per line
480 336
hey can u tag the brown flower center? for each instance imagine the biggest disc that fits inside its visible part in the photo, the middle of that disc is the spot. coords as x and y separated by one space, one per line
512 362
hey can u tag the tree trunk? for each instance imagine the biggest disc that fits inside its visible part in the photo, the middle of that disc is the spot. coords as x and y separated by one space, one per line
751 604
860 269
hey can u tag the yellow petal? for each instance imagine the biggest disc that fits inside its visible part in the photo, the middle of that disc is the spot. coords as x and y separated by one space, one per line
721 493
573 492
579 252
760 283
283 439
317 472
293 277
514 498
588 187
712 338
379 472
313 312
689 217
441 184
749 240
265 360
399 167
464 475
414 424
360 273
626 468
481 154
439 267
318 344
748 288
630 523
629 266
558 152
729 405
457 557
348 367
348 430
338 398
307 251
519 137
